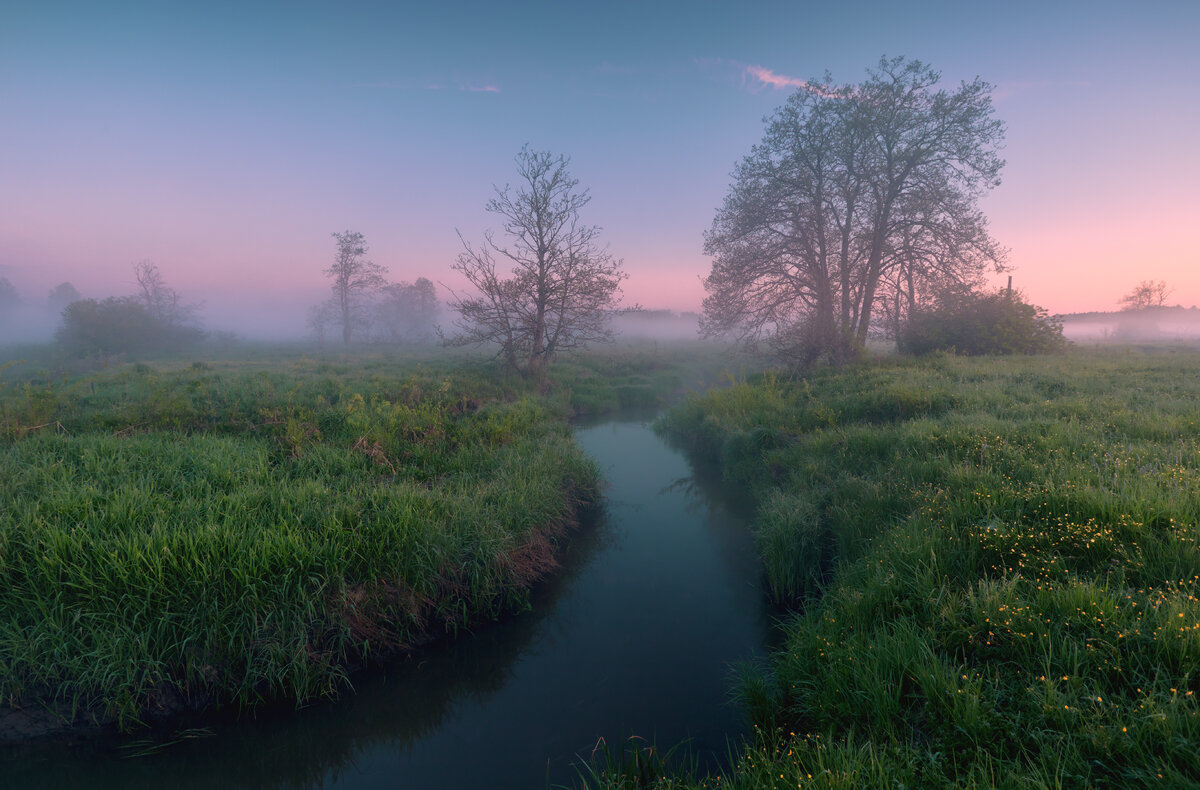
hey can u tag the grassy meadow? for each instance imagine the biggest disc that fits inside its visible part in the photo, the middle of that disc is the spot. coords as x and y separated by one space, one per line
993 567
190 534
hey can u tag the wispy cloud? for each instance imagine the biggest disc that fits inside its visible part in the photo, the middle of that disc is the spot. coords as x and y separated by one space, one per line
773 79
755 78
480 88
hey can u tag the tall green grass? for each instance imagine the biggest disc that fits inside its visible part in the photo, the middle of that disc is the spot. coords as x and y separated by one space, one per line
994 566
253 525
187 535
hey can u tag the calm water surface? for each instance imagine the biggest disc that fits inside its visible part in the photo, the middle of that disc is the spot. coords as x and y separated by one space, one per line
659 594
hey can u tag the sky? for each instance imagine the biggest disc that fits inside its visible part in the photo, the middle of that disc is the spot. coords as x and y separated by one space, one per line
226 142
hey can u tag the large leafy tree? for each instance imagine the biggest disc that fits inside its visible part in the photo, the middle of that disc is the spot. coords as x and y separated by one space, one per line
560 286
858 197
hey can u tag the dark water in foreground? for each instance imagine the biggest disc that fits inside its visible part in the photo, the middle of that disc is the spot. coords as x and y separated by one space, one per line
658 595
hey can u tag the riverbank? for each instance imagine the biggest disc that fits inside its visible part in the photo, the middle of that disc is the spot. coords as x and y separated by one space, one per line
994 565
183 537
657 592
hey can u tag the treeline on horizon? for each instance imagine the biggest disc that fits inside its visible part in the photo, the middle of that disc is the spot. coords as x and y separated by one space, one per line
855 218
161 321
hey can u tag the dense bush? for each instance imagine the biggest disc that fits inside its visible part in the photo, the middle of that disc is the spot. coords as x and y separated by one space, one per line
981 323
120 325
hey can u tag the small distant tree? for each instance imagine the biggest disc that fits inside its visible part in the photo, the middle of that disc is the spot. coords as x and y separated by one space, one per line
407 311
563 285
9 298
1146 294
971 322
60 296
162 302
320 320
355 281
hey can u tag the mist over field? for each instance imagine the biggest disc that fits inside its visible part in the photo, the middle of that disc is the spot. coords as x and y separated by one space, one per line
282 316
1153 324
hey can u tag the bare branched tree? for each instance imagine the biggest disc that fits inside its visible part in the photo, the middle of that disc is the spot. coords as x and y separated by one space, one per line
860 198
355 281
1146 294
560 286
162 302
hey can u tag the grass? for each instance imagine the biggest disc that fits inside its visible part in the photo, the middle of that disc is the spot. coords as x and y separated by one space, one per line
993 565
197 533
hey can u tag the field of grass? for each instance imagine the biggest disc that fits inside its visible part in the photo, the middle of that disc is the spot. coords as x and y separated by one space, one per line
993 564
191 534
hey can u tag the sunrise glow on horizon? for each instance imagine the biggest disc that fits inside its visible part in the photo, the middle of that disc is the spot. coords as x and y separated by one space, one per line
226 144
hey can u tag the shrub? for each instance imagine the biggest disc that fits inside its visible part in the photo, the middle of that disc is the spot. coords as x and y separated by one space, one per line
119 325
981 323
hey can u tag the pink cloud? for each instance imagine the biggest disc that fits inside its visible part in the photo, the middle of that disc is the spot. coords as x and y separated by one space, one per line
780 81
754 77
481 88
774 80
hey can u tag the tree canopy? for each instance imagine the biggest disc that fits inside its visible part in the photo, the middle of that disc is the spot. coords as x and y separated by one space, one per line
858 197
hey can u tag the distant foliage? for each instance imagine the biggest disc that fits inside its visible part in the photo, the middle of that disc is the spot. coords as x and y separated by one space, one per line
407 312
981 323
9 298
1147 293
118 325
354 283
10 302
60 296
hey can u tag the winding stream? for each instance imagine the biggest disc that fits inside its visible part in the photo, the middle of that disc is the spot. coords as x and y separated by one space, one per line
635 636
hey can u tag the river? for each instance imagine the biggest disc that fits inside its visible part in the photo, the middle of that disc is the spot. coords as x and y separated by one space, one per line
659 594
